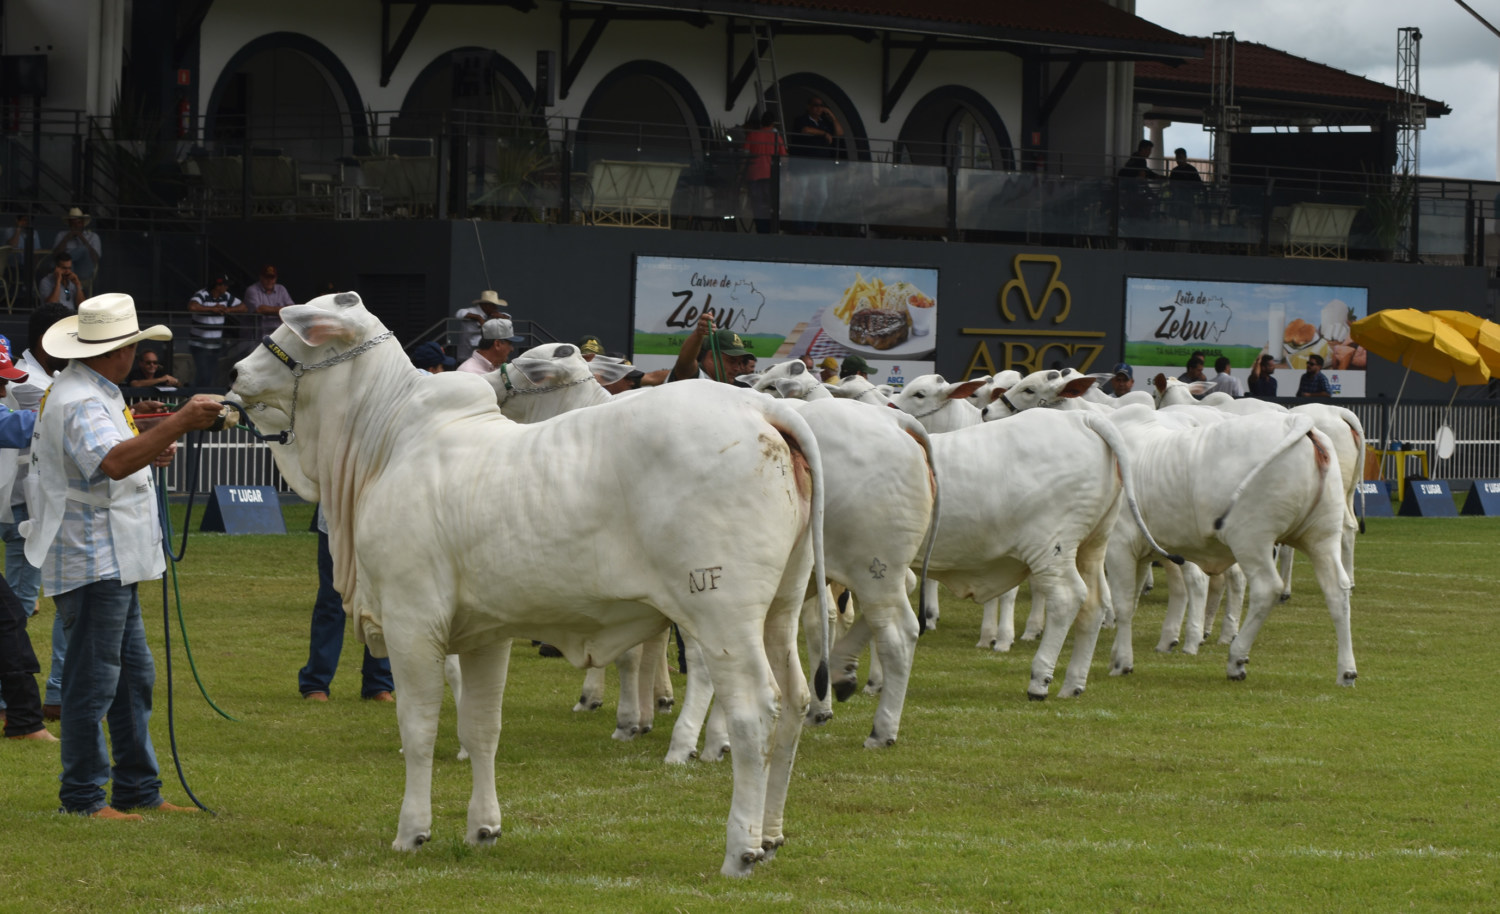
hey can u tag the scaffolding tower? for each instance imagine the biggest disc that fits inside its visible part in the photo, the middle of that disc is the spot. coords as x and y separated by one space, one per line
1223 116
1411 112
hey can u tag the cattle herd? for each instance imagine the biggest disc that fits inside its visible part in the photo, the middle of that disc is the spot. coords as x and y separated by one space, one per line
724 510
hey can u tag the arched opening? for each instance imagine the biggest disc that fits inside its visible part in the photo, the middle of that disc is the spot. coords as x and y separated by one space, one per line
643 111
286 95
474 82
955 126
796 90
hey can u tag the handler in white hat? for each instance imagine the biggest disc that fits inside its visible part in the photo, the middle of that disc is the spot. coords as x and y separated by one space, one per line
94 533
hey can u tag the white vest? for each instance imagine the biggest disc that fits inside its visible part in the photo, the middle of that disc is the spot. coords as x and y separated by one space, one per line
134 529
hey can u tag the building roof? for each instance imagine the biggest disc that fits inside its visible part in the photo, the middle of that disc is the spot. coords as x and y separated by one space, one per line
1090 25
1268 77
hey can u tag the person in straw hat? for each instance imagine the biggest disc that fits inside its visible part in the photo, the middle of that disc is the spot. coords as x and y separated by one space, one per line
94 533
487 307
82 244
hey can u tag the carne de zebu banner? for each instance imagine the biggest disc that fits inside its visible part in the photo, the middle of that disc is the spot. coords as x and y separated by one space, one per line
886 315
1167 320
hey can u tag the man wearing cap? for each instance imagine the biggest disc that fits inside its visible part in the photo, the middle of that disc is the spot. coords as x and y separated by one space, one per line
828 369
431 358
95 535
22 708
589 346
208 306
854 365
718 355
487 307
497 339
81 243
265 299
1123 381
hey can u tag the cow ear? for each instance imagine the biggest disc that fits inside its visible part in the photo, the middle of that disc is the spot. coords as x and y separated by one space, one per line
788 388
1199 388
1077 387
609 370
965 390
537 371
997 392
1160 382
796 368
316 327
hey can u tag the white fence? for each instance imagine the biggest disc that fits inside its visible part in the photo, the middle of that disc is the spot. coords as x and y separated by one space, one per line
236 458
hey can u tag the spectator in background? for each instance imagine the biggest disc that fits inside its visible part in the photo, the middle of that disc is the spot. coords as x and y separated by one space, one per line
761 144
208 308
150 372
1184 170
1194 370
816 135
855 365
25 578
1313 383
431 358
497 338
1122 381
1262 384
1225 381
22 235
487 307
62 286
265 299
83 244
1138 165
828 369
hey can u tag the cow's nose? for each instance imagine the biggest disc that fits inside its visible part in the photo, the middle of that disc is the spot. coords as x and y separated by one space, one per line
234 375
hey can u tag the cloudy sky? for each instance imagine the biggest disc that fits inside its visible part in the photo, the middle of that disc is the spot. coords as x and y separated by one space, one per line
1460 60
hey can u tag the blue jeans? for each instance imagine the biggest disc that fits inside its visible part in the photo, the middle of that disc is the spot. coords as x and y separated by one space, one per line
26 580
205 365
327 639
110 674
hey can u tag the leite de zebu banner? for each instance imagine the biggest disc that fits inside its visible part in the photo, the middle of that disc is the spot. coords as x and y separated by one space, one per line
886 315
1167 320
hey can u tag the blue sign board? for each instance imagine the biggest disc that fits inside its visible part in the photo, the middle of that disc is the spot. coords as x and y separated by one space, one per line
1484 498
1427 498
243 509
1372 499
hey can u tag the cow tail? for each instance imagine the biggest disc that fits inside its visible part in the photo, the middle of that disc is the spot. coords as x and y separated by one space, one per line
1299 428
790 423
1106 429
1356 429
914 428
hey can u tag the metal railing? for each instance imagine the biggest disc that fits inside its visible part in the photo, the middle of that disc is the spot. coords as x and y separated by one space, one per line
522 167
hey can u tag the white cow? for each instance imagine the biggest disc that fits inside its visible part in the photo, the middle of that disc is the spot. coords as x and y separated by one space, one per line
944 407
404 463
1034 497
546 381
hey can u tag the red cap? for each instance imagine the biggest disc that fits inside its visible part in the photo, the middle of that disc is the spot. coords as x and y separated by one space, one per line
8 370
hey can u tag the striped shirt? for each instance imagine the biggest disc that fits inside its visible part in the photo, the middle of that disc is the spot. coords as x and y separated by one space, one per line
208 328
84 550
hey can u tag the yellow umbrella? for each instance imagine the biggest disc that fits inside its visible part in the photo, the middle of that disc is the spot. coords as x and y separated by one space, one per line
1426 344
1484 334
1422 343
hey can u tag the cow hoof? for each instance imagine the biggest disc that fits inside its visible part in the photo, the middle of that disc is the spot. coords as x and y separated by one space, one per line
715 755
769 847
486 836
463 754
873 688
664 705
739 867
679 758
416 842
1237 670
844 688
1077 691
1118 670
1284 597
625 734
819 717
875 742
1347 679
1030 635
1032 696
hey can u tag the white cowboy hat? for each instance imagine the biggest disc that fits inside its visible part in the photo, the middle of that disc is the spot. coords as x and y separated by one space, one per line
76 213
489 297
103 324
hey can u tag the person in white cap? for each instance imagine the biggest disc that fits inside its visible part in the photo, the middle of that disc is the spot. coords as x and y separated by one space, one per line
497 339
488 306
83 244
94 533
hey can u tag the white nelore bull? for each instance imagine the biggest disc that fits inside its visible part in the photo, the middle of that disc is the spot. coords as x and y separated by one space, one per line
402 462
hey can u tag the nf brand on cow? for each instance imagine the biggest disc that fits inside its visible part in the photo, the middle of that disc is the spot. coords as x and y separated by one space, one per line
425 573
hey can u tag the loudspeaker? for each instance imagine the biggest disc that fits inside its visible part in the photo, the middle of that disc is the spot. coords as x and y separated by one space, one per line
23 74
546 79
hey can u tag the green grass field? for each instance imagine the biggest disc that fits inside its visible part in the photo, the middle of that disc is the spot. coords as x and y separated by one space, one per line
1168 790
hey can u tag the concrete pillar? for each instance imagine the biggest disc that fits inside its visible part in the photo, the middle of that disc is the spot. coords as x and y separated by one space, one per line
1159 151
